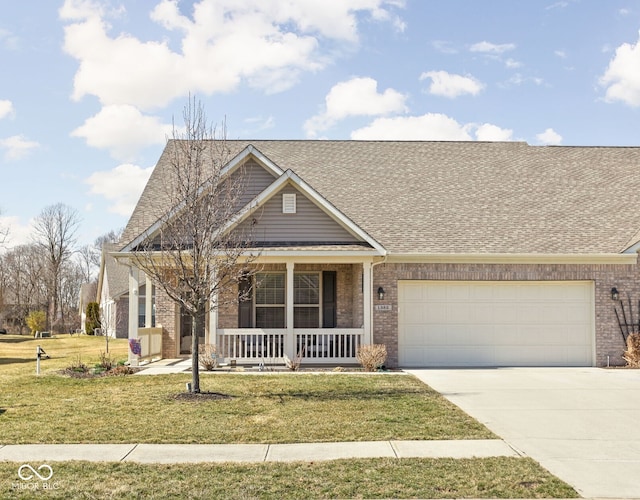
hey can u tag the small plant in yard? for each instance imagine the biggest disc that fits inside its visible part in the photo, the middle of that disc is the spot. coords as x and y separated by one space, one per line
294 364
105 363
77 369
372 357
632 354
36 321
208 356
121 370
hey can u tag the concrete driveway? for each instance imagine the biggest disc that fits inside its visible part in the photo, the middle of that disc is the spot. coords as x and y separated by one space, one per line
582 424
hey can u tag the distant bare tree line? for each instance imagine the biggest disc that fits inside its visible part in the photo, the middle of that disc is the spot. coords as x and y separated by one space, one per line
47 273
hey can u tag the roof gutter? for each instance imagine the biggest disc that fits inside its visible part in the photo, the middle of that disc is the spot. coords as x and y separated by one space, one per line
514 258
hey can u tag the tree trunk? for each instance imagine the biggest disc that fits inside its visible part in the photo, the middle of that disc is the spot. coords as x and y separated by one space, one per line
197 324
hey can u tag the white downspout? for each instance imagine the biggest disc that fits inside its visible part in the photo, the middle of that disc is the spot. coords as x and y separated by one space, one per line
372 295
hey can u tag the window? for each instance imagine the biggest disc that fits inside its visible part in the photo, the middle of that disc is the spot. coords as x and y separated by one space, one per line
142 312
314 300
270 300
306 300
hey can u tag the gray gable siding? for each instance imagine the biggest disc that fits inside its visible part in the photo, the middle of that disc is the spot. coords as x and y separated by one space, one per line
257 179
308 225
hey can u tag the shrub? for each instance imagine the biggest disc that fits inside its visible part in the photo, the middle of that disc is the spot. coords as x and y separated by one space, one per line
36 321
93 317
106 363
372 357
294 364
121 370
632 354
208 356
77 368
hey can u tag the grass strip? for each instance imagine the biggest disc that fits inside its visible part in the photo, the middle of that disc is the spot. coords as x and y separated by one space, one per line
363 478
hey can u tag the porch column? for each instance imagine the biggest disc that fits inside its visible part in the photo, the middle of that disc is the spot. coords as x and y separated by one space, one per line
366 306
133 311
148 303
289 346
213 315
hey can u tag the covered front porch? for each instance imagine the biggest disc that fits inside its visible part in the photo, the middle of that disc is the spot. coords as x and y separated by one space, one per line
305 309
321 346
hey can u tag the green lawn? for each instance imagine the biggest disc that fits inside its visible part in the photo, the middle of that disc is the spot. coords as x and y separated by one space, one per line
265 408
372 478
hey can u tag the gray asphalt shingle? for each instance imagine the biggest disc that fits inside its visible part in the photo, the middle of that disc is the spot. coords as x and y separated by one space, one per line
462 197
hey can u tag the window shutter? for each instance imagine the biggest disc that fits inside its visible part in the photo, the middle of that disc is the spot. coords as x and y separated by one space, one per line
289 203
329 299
245 307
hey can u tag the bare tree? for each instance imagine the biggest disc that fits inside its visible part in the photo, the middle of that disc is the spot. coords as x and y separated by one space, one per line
112 236
190 253
4 233
55 230
71 280
24 289
85 260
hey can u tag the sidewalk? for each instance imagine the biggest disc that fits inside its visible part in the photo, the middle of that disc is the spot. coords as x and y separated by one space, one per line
189 453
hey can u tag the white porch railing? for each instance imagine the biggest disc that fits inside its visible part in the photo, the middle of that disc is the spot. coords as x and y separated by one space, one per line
314 345
150 342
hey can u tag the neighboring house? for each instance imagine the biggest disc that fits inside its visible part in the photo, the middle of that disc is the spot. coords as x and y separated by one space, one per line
87 295
113 295
449 253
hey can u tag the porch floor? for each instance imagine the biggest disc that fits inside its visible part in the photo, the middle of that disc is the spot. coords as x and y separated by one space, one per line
182 365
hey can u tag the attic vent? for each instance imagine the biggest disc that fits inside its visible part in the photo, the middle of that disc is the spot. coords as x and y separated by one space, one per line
289 203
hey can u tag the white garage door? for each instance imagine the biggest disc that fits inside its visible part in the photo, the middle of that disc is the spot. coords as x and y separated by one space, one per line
488 323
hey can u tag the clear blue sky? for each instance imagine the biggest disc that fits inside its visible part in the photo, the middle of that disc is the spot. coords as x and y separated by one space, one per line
88 88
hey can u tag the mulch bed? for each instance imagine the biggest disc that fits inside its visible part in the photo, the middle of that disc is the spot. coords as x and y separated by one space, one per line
89 373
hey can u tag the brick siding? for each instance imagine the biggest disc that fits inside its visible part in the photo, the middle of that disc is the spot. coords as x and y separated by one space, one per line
609 343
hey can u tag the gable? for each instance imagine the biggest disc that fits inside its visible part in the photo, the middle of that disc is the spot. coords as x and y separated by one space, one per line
442 198
309 223
257 179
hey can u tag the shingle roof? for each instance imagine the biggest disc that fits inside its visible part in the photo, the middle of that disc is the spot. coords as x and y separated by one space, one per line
462 197
117 274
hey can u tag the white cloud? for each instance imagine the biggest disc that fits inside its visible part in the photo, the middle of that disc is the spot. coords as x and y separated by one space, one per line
355 97
560 53
549 137
121 186
557 5
520 79
428 127
444 46
491 48
512 64
19 234
17 147
8 40
6 109
489 132
451 85
265 43
123 130
622 76
261 123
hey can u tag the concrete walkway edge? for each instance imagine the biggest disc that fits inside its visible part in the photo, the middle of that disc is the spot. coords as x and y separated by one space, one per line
192 453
